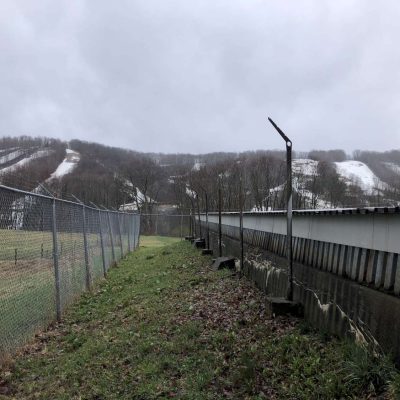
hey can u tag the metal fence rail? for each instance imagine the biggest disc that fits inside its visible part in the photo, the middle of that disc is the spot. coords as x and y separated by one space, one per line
52 250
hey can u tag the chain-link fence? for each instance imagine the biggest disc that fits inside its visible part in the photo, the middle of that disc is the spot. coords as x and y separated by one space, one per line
51 251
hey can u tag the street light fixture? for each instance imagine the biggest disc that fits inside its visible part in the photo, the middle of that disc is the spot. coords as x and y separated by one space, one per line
289 209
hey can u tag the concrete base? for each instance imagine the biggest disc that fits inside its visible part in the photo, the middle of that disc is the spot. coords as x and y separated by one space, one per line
199 243
281 306
207 252
223 262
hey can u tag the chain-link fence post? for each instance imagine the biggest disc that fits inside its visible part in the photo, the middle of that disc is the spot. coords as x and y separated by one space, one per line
134 231
120 234
128 228
85 244
111 236
137 224
103 255
55 262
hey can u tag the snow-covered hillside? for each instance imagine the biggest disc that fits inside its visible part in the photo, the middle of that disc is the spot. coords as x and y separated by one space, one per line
393 167
138 199
304 166
24 161
360 174
352 172
67 166
9 156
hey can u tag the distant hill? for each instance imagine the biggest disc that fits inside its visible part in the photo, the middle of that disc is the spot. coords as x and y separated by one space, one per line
112 176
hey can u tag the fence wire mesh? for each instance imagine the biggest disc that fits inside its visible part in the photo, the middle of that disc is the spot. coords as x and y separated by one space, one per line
51 251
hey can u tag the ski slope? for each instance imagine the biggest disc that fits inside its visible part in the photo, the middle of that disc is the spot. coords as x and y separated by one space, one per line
67 165
358 173
351 171
11 156
26 160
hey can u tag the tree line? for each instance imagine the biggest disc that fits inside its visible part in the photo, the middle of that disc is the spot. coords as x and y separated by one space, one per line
253 180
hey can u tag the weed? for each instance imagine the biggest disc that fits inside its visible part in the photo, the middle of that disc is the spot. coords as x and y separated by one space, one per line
365 371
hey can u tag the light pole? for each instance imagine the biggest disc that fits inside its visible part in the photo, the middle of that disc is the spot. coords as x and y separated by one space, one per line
289 209
241 206
219 217
241 227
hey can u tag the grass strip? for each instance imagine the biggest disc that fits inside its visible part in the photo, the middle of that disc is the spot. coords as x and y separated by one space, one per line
163 325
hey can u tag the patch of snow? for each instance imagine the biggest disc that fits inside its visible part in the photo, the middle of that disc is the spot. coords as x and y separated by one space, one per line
11 156
304 166
190 193
393 167
128 207
277 188
26 160
360 174
67 165
197 165
137 195
311 198
263 209
298 186
141 198
135 205
8 150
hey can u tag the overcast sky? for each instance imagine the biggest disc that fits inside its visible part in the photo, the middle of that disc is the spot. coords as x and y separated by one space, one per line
203 75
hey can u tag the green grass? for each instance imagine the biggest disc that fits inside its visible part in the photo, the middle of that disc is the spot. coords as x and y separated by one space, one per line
27 283
163 325
157 241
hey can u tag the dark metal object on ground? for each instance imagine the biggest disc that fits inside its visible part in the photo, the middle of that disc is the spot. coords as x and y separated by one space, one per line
224 262
280 306
199 243
207 252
